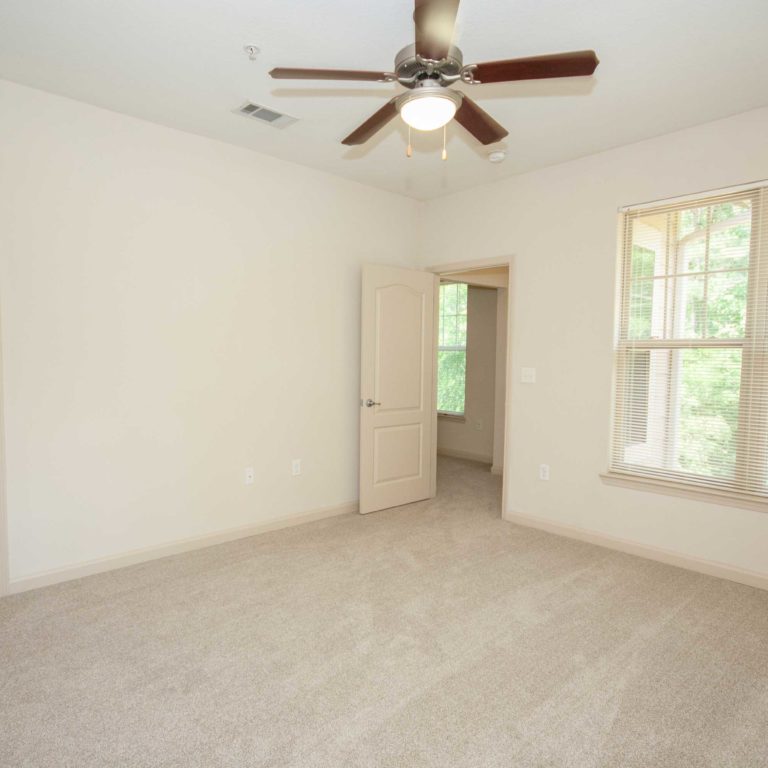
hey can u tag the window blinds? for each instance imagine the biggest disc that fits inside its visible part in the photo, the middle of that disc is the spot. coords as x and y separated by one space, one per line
691 388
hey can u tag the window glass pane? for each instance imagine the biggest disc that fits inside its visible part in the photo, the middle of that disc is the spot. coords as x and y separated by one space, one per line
637 381
729 245
719 239
451 380
726 305
640 309
680 410
461 330
643 262
450 294
450 338
691 220
705 292
461 299
649 246
644 416
453 312
694 254
691 315
451 369
707 410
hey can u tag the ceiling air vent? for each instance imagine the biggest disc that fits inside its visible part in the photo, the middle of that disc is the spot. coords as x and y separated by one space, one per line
265 115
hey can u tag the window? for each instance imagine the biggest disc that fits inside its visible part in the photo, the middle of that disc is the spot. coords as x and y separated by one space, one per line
452 349
692 352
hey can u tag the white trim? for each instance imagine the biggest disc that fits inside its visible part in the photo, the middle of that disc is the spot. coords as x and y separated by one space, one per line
4 546
693 196
468 455
698 564
433 395
468 266
145 554
686 490
448 416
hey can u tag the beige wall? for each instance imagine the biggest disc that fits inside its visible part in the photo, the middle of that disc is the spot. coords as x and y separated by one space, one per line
560 225
473 437
174 309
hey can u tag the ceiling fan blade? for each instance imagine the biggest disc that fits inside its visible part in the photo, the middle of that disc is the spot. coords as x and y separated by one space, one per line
288 73
372 125
479 123
571 64
435 21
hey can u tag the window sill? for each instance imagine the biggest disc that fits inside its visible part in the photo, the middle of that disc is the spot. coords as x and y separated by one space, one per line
460 417
670 488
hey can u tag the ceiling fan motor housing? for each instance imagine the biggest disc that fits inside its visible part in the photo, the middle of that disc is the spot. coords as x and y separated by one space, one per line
429 88
412 69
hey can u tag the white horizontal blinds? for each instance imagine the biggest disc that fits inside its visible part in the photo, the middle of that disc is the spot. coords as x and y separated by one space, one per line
692 353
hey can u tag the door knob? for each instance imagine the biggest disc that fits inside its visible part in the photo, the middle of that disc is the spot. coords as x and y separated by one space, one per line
370 403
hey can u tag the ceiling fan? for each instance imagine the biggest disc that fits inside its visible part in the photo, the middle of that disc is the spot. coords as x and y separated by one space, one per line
433 63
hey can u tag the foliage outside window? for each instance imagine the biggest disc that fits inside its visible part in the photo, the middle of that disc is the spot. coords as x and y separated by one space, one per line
452 349
692 351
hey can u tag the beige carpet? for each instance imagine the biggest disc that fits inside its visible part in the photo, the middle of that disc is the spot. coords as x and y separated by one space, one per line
429 635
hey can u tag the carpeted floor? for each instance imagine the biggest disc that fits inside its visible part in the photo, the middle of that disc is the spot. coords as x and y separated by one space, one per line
428 635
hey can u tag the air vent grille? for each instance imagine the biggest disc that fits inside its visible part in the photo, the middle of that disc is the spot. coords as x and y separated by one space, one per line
265 115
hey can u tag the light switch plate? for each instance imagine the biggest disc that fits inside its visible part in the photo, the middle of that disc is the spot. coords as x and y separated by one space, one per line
528 376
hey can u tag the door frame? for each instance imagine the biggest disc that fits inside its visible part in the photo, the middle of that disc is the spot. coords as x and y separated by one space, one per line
4 535
471 266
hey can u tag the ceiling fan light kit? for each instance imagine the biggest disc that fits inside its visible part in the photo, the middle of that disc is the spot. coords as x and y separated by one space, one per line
427 67
428 106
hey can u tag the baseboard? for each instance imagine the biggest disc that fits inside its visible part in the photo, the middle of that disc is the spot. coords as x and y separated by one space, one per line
136 556
700 565
451 453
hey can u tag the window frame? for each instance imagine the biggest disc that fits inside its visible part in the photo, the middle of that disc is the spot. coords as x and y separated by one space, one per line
752 414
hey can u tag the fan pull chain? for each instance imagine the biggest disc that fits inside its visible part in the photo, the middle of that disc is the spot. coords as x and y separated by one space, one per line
409 151
445 151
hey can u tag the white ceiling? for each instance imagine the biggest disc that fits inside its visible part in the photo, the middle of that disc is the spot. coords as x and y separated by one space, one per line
665 65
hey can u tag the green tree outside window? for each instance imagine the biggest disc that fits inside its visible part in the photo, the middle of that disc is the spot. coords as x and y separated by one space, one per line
452 348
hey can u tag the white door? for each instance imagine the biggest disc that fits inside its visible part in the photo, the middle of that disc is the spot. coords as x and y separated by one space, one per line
397 411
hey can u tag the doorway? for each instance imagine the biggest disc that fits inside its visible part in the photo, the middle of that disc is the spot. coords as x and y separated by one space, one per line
471 372
399 370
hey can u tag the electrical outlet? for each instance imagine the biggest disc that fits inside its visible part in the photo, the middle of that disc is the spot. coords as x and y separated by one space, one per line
543 471
296 467
250 475
479 425
528 375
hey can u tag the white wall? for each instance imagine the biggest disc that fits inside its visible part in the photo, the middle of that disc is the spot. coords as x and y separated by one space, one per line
473 437
561 225
174 309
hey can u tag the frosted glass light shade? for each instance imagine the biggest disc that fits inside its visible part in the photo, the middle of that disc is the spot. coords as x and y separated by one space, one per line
427 113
